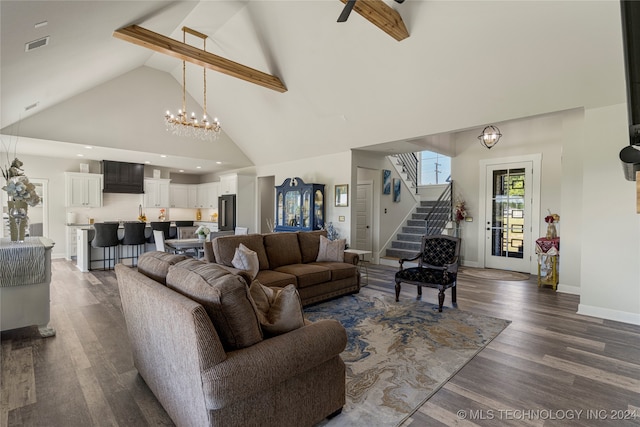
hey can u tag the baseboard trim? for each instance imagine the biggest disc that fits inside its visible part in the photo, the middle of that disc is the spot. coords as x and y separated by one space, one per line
607 313
568 289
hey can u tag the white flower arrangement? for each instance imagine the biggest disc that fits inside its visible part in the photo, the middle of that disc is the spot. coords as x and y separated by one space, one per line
203 231
18 186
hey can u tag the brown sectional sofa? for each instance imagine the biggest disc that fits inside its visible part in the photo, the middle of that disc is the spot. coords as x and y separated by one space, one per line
180 334
290 258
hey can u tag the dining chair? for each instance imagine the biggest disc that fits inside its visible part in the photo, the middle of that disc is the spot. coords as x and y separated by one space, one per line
242 230
158 236
187 232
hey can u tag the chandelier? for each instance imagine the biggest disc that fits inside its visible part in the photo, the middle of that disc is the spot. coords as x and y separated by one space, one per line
181 125
489 136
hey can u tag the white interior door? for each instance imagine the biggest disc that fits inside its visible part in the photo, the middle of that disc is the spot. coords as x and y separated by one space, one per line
508 219
364 213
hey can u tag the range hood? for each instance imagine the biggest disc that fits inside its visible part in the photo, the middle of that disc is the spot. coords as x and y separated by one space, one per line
121 177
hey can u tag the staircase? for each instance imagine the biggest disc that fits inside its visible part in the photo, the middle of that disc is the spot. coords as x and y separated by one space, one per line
407 166
430 217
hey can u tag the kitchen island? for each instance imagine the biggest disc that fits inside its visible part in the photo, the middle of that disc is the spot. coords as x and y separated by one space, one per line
86 254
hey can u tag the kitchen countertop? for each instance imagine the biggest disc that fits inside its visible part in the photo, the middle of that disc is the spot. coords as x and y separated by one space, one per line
173 224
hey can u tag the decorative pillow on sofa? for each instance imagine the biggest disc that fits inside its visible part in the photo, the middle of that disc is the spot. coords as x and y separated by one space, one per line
331 250
309 244
279 310
246 259
224 296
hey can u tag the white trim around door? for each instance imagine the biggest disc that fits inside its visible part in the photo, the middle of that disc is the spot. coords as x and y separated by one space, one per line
534 199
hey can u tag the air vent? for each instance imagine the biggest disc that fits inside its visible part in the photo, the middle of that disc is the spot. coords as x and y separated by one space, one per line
36 44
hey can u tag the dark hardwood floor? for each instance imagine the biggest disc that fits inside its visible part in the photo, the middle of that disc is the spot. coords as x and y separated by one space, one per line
550 367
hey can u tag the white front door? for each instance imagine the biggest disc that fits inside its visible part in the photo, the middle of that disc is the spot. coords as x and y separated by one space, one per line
364 213
508 219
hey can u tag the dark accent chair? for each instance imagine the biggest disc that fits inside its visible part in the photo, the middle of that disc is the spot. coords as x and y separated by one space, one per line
106 236
438 262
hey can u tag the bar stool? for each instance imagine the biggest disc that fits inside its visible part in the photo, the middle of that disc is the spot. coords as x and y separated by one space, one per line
106 236
133 236
184 223
164 226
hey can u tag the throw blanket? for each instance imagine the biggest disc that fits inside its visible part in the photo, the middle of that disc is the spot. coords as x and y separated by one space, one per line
21 263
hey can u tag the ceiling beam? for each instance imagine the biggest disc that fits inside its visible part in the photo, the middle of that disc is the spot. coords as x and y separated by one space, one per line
159 43
382 16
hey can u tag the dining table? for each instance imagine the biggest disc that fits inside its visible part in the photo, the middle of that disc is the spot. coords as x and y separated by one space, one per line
186 246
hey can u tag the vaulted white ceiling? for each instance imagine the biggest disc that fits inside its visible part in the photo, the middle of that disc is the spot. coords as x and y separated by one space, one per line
466 64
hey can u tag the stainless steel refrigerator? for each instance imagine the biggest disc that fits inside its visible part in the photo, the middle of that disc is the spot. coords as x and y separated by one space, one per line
227 212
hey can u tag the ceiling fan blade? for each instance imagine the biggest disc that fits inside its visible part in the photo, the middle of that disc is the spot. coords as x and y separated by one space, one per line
346 11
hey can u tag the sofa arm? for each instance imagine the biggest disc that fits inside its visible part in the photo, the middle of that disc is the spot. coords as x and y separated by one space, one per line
351 258
209 256
270 362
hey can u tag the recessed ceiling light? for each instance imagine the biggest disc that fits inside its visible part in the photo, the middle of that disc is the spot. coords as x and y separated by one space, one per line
147 162
163 155
218 163
88 147
80 155
198 167
181 170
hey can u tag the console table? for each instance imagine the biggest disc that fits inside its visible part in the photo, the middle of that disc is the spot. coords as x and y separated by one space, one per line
548 251
25 277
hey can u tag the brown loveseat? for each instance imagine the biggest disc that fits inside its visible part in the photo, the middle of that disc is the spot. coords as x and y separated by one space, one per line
198 346
290 258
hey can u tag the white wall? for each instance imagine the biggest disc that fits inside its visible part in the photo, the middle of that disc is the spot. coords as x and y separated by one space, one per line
610 272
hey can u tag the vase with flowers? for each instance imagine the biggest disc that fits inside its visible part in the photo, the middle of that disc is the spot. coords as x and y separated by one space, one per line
202 232
459 214
551 221
21 194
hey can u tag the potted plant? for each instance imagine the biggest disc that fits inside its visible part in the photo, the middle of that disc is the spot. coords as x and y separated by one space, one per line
202 232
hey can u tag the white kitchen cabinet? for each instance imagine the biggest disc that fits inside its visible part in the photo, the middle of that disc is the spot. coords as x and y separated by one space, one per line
207 195
83 190
179 195
156 193
229 184
214 192
192 196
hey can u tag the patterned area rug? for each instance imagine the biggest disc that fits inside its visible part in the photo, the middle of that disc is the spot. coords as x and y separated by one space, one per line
399 353
492 274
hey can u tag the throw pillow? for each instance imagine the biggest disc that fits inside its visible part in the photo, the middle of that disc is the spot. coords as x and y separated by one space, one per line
279 310
331 250
246 259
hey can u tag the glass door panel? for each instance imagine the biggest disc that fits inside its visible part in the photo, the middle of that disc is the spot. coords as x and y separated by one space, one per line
509 217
